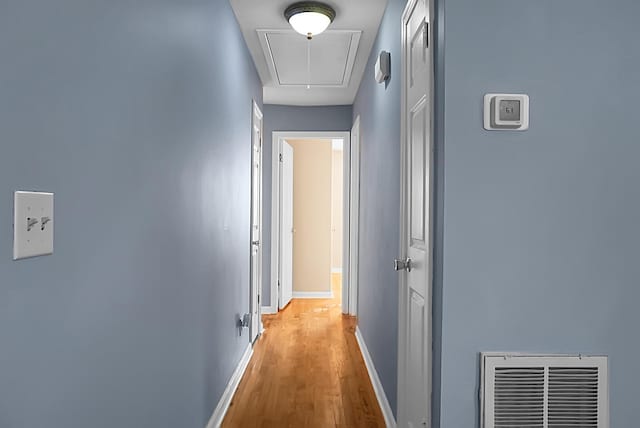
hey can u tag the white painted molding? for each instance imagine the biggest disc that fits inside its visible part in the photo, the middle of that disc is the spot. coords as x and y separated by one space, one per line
375 381
268 310
313 294
336 270
352 232
223 405
275 219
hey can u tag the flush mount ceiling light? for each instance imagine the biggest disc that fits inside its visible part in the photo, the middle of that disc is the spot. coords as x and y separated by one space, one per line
309 18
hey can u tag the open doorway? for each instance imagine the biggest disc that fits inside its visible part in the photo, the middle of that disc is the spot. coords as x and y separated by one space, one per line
310 217
317 213
311 211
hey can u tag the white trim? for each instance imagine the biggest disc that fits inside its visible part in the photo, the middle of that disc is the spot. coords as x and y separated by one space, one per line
336 270
313 294
276 144
375 381
275 219
223 405
352 229
346 226
402 281
269 310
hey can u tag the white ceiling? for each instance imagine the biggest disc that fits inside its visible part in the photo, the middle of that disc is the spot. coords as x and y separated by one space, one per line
338 56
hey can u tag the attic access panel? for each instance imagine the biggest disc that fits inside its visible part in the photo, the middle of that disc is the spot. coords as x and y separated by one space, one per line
333 55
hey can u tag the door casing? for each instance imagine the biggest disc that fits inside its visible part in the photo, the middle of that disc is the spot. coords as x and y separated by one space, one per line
352 170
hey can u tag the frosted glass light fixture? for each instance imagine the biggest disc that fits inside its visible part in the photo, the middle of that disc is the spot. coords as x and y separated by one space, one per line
309 18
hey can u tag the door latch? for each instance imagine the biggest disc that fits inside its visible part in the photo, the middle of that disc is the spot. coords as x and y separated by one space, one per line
405 264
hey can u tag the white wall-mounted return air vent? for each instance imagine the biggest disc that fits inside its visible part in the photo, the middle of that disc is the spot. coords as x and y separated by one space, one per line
544 391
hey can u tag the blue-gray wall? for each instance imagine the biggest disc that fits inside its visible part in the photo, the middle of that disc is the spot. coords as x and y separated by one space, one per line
378 106
291 118
541 227
137 115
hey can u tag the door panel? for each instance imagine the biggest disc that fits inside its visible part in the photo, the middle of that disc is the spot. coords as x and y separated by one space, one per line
414 386
417 52
416 357
286 227
417 173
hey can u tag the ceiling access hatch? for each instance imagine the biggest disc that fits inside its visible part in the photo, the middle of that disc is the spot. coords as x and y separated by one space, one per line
331 60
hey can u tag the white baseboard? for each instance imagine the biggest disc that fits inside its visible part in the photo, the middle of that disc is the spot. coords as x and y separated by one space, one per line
336 270
268 310
313 294
375 381
223 405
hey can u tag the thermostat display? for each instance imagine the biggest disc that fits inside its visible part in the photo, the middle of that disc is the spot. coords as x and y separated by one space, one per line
506 112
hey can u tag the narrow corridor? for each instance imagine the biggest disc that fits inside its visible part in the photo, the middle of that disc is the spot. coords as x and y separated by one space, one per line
306 371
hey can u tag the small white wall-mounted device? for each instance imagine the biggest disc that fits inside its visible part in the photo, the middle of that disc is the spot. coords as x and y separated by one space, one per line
383 66
32 224
506 112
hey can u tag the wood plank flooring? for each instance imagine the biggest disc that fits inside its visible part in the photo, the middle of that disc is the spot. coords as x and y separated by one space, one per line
306 371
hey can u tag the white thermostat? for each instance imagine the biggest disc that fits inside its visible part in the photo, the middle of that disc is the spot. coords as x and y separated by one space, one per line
506 112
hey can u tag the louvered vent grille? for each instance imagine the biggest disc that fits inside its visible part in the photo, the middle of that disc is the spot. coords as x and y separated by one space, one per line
573 397
526 391
519 397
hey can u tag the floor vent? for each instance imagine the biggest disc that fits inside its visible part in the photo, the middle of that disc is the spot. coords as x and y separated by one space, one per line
535 391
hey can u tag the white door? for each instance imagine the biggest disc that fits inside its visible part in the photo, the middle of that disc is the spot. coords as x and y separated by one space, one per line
414 386
286 226
256 221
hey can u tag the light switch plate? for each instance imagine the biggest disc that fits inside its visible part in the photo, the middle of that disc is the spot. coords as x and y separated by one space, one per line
32 224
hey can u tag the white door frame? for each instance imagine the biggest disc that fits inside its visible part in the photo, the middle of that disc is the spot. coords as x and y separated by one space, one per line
352 170
257 120
277 138
404 196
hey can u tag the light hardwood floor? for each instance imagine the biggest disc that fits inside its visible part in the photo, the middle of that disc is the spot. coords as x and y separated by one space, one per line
306 371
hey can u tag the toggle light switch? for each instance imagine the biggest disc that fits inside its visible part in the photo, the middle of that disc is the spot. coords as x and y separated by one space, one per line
32 224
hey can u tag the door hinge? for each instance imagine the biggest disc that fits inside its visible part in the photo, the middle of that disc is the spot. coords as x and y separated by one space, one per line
280 157
258 299
278 283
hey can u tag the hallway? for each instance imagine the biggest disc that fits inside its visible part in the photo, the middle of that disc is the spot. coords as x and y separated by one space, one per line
306 371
